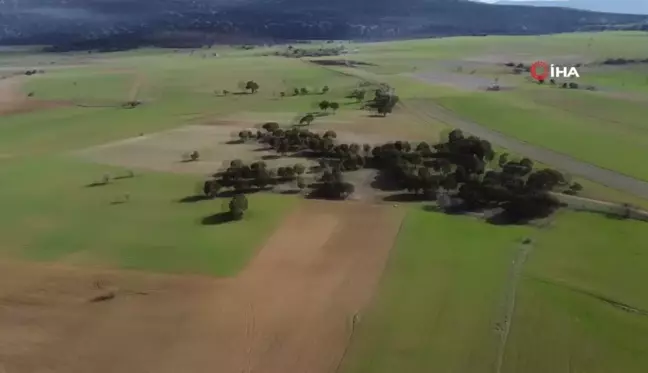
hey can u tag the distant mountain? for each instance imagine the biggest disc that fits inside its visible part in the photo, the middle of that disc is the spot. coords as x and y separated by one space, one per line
119 24
609 6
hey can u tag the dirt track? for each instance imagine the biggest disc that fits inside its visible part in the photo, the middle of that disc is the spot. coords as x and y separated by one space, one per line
428 108
291 310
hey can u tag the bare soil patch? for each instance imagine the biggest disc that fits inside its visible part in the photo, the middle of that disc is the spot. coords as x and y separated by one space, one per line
13 100
291 310
465 82
163 151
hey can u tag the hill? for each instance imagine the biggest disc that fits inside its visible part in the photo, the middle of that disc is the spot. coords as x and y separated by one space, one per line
617 6
120 24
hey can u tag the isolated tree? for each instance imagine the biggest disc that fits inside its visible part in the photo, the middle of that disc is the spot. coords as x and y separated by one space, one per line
324 105
194 156
296 92
236 212
282 94
303 91
334 106
325 89
225 92
252 86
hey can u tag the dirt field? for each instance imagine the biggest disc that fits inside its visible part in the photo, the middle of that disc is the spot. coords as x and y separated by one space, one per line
163 151
465 82
292 310
13 100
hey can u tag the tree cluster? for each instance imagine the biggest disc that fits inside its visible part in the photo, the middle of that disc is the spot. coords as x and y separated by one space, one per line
463 167
383 102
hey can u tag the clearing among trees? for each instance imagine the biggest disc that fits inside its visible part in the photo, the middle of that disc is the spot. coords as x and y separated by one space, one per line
292 310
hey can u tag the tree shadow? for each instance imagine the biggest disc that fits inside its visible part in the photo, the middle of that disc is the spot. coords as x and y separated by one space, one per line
123 177
188 160
383 183
193 199
270 157
96 184
240 93
290 192
405 197
374 115
217 219
234 142
265 149
232 192
117 203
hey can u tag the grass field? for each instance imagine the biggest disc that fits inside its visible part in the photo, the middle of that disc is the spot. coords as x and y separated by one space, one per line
55 217
562 322
438 302
440 299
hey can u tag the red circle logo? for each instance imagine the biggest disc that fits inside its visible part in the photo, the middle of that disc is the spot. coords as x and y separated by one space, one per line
539 70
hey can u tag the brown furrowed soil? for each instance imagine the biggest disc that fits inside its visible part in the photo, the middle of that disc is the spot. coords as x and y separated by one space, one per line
292 309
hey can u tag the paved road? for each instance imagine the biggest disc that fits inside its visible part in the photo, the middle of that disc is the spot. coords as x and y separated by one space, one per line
564 162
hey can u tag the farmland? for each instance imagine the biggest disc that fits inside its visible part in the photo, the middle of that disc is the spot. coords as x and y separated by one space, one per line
108 236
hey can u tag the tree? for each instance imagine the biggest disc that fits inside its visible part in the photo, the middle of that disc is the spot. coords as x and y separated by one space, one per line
252 86
324 105
194 156
357 94
245 135
299 168
503 159
282 94
301 184
296 92
211 188
303 91
307 119
325 89
330 134
334 106
237 206
270 126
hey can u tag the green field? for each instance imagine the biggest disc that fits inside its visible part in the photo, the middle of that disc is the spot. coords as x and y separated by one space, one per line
51 216
441 297
561 323
438 302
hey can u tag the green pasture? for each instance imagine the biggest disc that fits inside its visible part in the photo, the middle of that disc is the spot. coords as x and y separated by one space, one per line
611 135
562 323
442 294
50 214
439 299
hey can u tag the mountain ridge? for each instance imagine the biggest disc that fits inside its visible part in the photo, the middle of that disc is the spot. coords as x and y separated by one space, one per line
617 6
88 24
